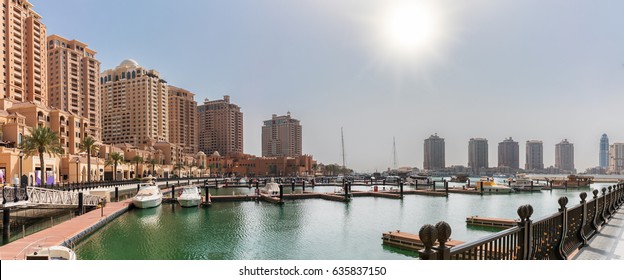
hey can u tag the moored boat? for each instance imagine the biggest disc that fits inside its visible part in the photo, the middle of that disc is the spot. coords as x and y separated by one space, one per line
489 185
271 188
189 197
524 183
52 253
148 196
572 181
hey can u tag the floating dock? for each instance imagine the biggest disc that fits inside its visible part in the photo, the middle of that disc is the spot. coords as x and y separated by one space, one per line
491 222
409 241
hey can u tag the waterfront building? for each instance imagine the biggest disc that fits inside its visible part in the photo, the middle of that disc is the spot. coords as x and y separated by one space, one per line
534 155
603 156
509 154
281 137
239 164
73 81
220 127
183 119
24 59
435 158
477 154
616 158
564 156
135 105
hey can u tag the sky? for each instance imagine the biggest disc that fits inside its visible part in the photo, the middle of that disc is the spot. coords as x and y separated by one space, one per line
380 70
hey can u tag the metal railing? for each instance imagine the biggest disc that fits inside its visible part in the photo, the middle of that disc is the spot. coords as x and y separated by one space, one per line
554 237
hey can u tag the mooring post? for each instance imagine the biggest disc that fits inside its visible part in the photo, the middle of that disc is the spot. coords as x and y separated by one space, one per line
481 186
281 192
434 185
80 204
172 191
6 225
138 187
303 186
446 187
401 188
292 185
116 193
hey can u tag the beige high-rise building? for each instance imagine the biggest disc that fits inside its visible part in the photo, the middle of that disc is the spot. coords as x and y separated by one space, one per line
434 153
73 81
534 155
24 64
564 156
183 119
220 126
616 158
509 154
478 154
135 105
281 137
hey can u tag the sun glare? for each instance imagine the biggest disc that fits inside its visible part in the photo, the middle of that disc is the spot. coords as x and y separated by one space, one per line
411 27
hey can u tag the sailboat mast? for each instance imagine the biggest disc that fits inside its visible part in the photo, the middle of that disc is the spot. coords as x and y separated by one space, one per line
394 152
343 152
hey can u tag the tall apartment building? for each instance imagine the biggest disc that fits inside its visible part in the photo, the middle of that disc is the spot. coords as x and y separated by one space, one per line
434 153
183 119
616 158
24 63
281 136
509 154
477 153
73 81
603 156
534 155
564 156
220 126
135 105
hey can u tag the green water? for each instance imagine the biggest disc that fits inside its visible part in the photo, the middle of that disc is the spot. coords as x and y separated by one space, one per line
299 229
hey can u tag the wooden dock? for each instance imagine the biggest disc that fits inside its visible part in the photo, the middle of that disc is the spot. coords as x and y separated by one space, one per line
409 241
67 233
491 222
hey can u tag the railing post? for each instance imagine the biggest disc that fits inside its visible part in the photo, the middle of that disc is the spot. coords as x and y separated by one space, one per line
444 232
584 220
15 199
526 232
611 202
116 194
595 225
604 206
560 252
428 234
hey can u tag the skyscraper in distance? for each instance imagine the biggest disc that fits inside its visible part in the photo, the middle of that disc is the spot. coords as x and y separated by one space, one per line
434 153
603 156
564 156
220 126
477 154
509 154
534 155
281 136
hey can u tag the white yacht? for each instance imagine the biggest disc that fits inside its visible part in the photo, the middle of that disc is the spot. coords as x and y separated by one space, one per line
524 183
149 195
271 188
189 197
53 253
419 179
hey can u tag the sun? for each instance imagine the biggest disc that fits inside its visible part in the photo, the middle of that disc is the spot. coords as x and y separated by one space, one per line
411 26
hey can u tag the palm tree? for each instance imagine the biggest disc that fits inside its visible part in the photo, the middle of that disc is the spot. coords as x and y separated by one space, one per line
41 140
178 166
115 159
88 145
153 163
211 167
191 166
136 160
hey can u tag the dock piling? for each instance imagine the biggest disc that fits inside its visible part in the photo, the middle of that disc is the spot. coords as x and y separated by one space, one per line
116 193
281 193
303 186
80 204
401 188
6 225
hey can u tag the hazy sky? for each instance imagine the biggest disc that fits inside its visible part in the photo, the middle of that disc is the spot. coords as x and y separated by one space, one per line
543 70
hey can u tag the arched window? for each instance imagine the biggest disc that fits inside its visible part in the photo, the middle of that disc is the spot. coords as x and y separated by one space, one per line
19 139
133 74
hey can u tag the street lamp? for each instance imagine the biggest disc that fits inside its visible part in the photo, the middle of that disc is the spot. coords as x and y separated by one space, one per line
77 178
21 155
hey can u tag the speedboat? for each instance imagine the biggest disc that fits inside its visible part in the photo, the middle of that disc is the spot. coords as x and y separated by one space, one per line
419 179
270 188
524 183
148 196
490 186
189 197
52 253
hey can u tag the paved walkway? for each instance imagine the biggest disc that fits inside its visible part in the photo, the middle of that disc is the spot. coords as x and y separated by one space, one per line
608 244
58 234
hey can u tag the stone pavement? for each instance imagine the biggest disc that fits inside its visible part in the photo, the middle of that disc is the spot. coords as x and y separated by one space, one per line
608 244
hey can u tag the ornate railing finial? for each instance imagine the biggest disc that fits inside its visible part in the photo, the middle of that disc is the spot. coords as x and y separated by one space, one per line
604 191
428 235
583 196
595 192
563 201
444 232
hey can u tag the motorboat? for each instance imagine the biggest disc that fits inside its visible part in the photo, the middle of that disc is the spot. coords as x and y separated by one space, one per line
52 253
419 179
524 183
489 185
189 197
148 196
572 181
271 188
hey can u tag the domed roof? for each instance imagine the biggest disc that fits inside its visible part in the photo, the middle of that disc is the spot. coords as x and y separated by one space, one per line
200 153
216 154
129 63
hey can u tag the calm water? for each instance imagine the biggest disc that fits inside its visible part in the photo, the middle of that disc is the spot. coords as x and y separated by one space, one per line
299 229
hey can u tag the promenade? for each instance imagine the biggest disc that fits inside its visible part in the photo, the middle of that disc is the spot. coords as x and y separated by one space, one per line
608 244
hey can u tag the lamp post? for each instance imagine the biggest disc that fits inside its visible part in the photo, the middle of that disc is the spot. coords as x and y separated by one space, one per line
77 176
21 155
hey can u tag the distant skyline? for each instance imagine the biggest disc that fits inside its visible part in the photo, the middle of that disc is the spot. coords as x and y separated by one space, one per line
531 70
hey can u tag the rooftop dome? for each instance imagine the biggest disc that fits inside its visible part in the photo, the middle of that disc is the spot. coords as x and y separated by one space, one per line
216 154
129 63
